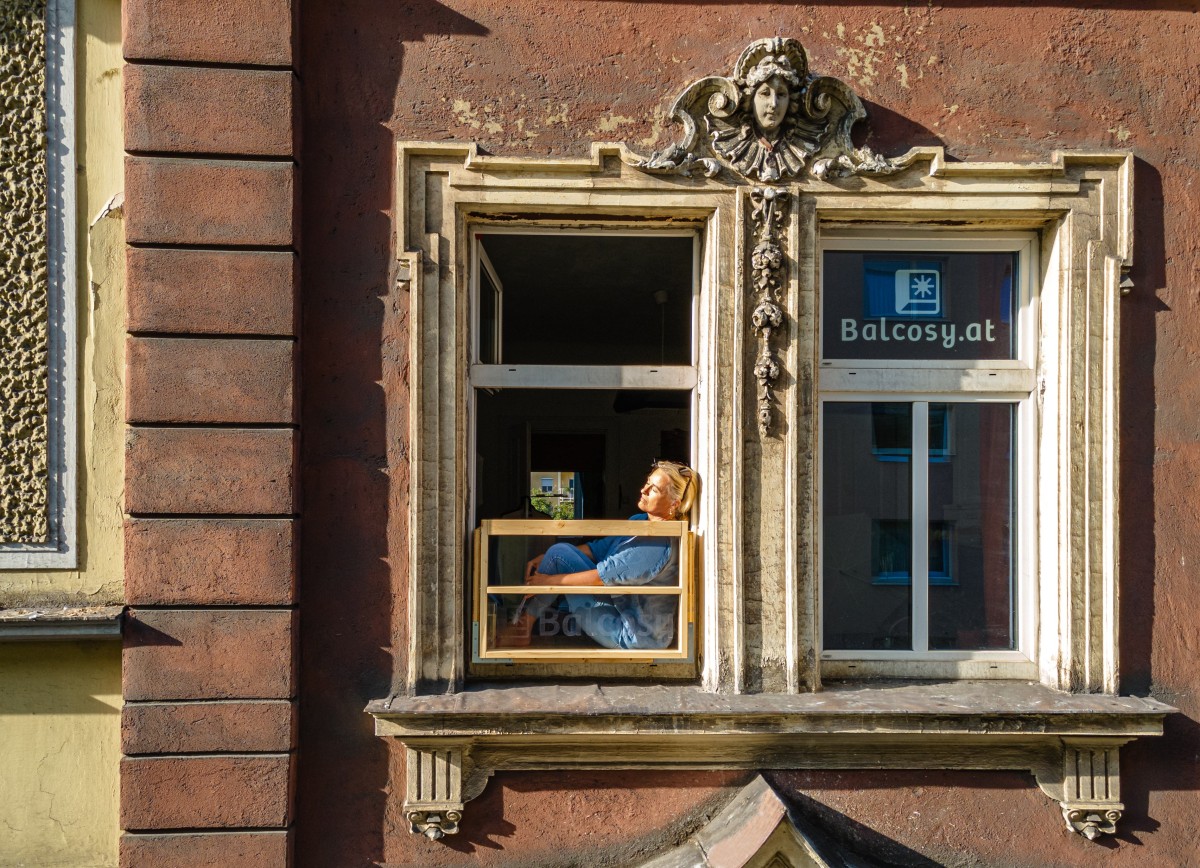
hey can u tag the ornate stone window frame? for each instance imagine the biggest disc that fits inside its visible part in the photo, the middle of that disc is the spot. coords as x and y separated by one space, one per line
58 550
760 699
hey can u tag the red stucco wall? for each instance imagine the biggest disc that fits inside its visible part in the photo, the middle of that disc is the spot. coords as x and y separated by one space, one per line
1001 80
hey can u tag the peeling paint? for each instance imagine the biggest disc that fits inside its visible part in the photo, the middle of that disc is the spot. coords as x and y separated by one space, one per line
560 118
612 122
656 130
465 114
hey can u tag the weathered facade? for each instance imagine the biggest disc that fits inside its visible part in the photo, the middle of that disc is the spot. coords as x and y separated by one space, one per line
319 200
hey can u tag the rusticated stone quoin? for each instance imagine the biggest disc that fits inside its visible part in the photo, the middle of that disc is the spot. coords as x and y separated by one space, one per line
210 562
206 850
209 202
210 470
177 109
208 654
211 291
205 792
209 380
208 727
247 32
209 721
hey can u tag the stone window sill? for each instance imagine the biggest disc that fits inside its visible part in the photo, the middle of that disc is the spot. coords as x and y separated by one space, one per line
1069 742
66 624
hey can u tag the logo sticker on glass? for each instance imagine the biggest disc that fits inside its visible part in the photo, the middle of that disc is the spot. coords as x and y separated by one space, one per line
936 306
918 292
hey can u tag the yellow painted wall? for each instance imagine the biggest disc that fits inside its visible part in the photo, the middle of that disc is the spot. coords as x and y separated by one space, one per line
101 328
60 721
60 702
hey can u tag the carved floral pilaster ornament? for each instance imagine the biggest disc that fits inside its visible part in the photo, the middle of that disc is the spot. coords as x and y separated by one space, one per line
771 121
767 260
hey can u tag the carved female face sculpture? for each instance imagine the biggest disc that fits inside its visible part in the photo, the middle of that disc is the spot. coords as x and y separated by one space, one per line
771 100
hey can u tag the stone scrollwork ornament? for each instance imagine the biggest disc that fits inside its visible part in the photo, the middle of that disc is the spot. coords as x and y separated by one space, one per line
768 207
771 121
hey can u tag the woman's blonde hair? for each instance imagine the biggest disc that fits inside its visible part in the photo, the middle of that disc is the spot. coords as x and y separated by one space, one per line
684 484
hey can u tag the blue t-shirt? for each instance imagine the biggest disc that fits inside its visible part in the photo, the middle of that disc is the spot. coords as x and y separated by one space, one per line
645 560
634 560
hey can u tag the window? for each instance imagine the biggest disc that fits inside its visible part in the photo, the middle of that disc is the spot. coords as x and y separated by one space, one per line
926 389
583 372
943 408
472 397
38 480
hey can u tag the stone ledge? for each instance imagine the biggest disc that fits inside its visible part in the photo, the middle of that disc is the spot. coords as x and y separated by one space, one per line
878 707
1070 743
66 624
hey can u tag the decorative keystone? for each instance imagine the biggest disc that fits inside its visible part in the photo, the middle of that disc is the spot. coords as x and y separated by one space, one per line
771 121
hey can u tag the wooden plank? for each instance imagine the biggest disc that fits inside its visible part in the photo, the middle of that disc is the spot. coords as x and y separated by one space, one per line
580 527
681 377
581 656
594 590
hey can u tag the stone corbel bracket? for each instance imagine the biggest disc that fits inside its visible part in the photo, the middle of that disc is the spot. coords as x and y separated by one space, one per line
1069 742
1088 785
440 780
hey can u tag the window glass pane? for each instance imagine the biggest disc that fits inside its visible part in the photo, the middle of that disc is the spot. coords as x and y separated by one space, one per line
489 319
637 607
594 446
919 306
971 521
576 299
867 497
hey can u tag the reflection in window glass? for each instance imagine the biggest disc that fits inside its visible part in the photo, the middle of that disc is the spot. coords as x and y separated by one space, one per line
863 494
973 490
965 509
637 606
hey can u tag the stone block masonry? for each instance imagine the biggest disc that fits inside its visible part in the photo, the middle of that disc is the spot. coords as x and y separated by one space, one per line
212 500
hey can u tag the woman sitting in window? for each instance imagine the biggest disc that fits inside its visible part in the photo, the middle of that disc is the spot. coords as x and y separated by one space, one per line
633 621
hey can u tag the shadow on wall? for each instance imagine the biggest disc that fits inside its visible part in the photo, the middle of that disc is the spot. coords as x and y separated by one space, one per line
1137 5
1139 311
351 61
851 836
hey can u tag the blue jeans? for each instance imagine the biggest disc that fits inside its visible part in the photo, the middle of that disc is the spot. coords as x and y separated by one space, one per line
598 617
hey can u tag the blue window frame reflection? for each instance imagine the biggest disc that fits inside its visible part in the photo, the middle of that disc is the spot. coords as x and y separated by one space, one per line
891 552
891 432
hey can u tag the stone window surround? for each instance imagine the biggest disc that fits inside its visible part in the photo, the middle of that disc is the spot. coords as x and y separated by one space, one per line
759 672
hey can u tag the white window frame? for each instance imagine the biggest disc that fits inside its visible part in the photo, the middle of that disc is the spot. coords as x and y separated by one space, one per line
506 376
534 376
921 382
